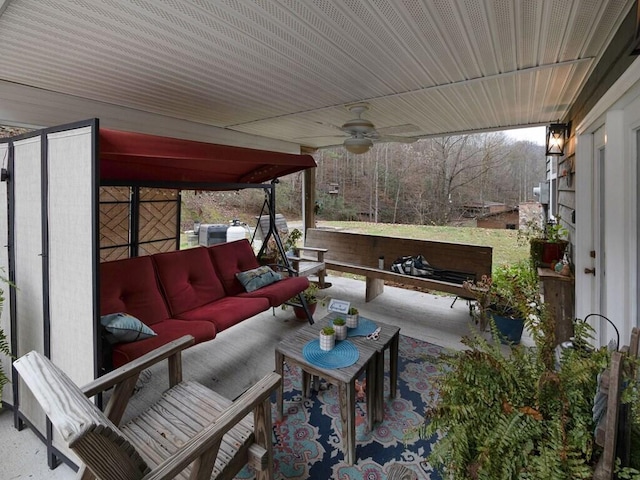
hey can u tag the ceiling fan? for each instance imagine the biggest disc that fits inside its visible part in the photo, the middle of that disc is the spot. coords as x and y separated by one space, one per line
362 133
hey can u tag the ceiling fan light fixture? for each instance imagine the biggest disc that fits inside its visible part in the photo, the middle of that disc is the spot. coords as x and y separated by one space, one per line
358 145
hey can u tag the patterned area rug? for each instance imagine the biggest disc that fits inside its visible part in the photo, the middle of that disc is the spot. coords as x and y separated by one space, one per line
307 443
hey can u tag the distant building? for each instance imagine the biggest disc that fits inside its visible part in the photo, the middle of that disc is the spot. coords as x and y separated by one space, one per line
492 215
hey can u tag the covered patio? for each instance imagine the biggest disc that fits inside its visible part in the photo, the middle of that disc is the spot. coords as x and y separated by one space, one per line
294 77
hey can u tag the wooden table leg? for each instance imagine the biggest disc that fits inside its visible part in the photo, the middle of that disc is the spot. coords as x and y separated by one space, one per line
347 393
378 413
279 391
371 393
393 365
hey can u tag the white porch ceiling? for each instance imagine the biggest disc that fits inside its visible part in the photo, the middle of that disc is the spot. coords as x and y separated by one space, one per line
285 69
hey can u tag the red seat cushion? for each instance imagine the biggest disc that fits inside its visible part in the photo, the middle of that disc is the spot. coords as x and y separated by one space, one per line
227 311
130 286
188 279
167 331
231 258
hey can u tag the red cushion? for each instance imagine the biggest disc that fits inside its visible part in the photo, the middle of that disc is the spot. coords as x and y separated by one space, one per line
279 292
188 279
230 258
227 311
130 286
167 331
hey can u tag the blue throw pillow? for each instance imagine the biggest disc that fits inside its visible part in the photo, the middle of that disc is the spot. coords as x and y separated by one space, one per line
258 277
124 328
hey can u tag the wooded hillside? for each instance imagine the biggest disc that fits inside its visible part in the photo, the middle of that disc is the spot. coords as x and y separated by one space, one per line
429 182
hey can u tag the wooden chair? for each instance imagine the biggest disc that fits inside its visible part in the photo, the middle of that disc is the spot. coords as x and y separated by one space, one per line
306 261
614 442
191 432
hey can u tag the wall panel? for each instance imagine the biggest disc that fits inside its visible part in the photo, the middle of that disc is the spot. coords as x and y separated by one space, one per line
5 318
30 332
71 205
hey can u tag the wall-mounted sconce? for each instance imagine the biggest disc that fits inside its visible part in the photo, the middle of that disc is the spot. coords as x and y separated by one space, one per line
556 138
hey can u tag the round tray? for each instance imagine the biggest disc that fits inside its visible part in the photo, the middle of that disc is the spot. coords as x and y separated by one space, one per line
344 354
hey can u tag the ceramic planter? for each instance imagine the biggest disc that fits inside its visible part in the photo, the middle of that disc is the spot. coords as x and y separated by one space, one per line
341 331
327 342
299 311
510 328
352 321
544 253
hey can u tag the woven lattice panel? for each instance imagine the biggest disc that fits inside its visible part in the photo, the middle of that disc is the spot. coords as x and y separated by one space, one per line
157 247
114 224
152 194
114 194
116 253
158 221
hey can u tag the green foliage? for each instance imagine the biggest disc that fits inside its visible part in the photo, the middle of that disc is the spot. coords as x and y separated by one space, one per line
5 349
512 291
513 413
328 331
339 321
352 311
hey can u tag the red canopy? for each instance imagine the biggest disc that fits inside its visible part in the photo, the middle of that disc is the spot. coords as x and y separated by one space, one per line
136 158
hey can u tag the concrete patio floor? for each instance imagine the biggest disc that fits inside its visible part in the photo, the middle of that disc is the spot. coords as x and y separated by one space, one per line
420 315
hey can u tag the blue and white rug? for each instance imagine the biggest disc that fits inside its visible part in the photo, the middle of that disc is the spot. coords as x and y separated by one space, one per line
307 443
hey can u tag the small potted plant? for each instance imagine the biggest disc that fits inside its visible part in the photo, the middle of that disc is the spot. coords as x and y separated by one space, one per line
352 317
310 296
547 241
340 326
327 338
508 298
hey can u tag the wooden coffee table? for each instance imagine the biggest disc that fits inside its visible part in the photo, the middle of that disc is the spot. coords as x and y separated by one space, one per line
371 359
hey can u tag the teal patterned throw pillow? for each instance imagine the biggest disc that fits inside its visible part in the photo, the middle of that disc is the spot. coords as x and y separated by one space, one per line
257 278
124 328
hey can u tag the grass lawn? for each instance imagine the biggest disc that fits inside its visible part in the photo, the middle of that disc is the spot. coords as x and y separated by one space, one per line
504 242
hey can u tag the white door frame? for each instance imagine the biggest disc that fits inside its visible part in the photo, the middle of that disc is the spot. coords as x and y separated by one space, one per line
618 112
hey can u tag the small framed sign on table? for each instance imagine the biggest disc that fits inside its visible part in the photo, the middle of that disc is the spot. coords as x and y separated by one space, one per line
338 306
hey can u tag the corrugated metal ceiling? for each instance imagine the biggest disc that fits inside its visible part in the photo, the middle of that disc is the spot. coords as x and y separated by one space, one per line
285 69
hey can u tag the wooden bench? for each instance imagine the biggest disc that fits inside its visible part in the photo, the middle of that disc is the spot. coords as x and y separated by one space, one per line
359 253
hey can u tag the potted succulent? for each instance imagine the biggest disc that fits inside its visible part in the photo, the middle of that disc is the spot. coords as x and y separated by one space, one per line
352 317
327 338
508 298
547 241
340 326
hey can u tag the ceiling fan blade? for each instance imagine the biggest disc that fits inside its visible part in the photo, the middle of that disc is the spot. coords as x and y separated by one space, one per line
394 138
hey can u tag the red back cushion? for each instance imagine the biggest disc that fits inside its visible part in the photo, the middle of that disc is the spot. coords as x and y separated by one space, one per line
188 279
230 258
130 286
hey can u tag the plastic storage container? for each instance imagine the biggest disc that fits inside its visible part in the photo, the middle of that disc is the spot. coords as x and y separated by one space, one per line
211 233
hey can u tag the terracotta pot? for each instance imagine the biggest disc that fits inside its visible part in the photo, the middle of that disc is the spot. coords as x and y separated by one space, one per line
299 311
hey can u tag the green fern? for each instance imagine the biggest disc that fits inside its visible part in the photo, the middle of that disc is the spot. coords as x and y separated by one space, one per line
509 414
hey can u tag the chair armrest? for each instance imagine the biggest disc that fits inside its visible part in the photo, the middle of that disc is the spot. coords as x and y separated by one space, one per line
134 368
312 249
210 437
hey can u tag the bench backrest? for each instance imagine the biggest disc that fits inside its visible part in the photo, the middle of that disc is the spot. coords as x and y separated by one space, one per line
361 249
